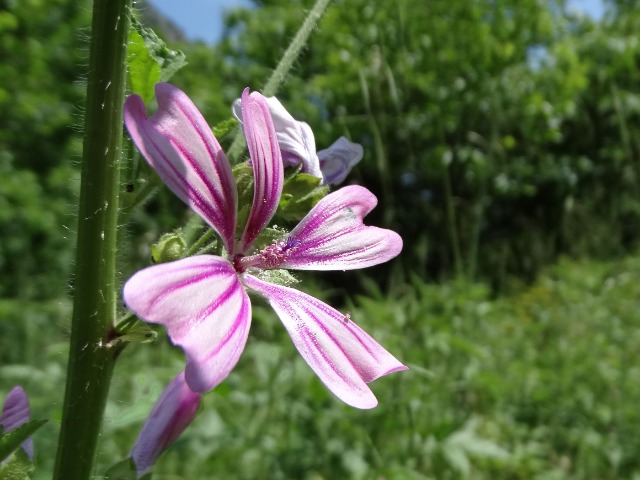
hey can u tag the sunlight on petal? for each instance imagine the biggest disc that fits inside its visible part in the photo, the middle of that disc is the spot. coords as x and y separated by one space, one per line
333 237
205 309
179 145
343 355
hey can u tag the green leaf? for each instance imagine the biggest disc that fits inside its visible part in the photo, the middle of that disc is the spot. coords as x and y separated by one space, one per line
144 71
300 193
150 61
224 127
123 470
10 441
18 467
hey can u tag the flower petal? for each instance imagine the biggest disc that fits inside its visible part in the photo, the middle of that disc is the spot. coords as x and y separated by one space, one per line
333 237
205 309
179 145
15 412
266 161
343 355
172 413
296 140
337 161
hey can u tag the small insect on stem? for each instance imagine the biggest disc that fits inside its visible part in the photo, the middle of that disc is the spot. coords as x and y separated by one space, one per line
346 317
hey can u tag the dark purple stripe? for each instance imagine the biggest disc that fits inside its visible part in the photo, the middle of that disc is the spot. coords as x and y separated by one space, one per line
185 283
183 186
242 314
227 187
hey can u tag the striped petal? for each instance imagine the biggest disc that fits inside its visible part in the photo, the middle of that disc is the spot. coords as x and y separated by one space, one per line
172 413
179 145
205 309
296 139
266 161
15 412
343 355
333 237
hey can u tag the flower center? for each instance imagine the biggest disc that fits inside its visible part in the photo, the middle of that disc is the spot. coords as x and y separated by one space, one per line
271 256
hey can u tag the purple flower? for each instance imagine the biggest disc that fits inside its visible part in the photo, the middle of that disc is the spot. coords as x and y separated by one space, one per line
298 146
15 413
171 414
202 300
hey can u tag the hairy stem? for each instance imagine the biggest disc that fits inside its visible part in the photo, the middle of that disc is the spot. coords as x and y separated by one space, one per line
91 359
284 65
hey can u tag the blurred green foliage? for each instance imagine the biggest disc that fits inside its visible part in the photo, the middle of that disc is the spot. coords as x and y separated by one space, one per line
543 384
493 130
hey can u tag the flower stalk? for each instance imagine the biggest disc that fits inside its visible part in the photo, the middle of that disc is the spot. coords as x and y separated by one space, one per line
91 356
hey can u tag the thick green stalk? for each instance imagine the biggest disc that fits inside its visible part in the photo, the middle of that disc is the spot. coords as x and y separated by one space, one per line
91 359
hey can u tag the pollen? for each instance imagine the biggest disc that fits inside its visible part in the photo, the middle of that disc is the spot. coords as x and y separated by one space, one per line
277 253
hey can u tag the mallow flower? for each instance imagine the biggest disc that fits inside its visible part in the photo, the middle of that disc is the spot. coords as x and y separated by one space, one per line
298 146
15 413
203 301
174 410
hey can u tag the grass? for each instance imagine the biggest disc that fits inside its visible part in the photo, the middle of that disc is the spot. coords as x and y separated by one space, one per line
542 384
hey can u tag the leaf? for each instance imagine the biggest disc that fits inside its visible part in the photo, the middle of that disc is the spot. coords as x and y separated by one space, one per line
224 127
144 70
18 467
123 470
150 61
10 441
299 194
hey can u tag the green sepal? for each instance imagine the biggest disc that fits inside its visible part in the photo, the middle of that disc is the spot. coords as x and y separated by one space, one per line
277 276
18 467
224 127
11 441
150 60
169 248
243 174
123 470
140 333
300 193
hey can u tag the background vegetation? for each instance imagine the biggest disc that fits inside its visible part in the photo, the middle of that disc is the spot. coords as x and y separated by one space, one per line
502 140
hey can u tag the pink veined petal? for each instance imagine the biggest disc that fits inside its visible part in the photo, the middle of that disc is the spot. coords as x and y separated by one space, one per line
172 413
332 236
343 355
179 145
205 309
15 412
296 139
266 161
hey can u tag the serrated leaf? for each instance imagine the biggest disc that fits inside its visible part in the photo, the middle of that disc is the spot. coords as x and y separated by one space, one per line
150 61
18 467
144 70
170 61
9 442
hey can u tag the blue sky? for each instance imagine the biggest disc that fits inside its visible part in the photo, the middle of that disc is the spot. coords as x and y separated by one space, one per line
202 19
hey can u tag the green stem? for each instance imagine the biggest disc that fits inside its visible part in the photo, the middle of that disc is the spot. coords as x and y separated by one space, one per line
91 360
284 65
